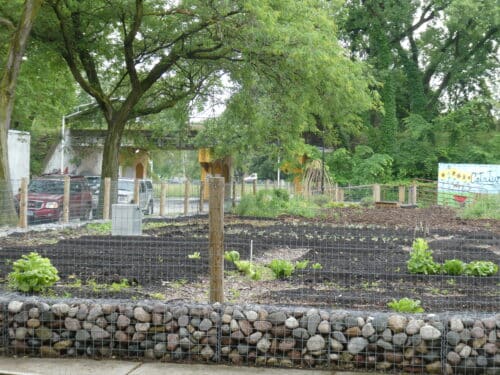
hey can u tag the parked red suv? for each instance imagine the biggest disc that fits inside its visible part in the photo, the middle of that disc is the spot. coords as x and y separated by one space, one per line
46 195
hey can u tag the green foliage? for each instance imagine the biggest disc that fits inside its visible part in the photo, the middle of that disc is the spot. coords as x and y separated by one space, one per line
407 305
481 268
99 228
272 203
301 264
195 255
281 268
32 273
118 287
317 266
421 260
362 167
454 267
232 256
486 206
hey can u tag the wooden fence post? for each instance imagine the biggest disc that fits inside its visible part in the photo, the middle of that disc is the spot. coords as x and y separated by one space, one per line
242 189
254 187
413 194
163 193
107 198
23 204
186 197
67 182
401 194
376 193
216 238
200 207
136 191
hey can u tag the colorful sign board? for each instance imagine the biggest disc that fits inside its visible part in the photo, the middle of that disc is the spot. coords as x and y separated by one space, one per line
459 183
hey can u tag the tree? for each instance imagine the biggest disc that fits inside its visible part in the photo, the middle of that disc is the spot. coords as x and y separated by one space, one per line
138 58
431 58
10 72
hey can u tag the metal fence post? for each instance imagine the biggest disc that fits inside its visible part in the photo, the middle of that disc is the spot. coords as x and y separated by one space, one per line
23 204
107 198
186 197
66 199
216 238
163 193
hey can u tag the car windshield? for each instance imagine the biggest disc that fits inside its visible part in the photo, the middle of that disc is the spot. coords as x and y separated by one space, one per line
46 186
125 185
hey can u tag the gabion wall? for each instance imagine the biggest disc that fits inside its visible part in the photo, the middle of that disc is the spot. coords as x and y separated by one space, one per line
252 335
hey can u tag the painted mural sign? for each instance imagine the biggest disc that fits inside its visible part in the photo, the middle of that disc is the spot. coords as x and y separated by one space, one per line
458 184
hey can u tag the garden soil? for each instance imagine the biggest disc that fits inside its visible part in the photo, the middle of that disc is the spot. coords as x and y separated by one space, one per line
356 259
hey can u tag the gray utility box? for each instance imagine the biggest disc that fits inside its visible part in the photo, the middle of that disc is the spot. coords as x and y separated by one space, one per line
127 220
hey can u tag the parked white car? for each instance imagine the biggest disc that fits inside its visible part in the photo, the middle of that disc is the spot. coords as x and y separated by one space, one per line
126 193
251 178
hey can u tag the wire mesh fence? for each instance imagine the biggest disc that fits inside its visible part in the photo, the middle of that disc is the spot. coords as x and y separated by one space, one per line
297 275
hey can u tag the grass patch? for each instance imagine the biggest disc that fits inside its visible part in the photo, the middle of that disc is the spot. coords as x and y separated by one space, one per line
484 207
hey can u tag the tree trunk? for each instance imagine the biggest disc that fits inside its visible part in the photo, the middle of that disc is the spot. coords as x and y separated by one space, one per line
7 89
110 162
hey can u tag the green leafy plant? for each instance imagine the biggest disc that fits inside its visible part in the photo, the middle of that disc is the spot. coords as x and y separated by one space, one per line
232 256
281 268
195 255
454 267
118 287
421 260
483 207
481 268
406 305
301 264
32 273
158 296
317 266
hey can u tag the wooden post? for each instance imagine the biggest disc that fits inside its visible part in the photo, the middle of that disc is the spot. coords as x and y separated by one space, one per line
376 193
200 207
67 182
186 197
254 187
266 184
242 189
136 191
23 204
341 195
401 194
413 194
163 193
233 194
216 238
107 198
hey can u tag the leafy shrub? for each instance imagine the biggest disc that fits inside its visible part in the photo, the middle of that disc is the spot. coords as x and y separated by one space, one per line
316 266
421 260
406 305
281 268
366 202
454 267
484 207
272 203
32 273
481 268
321 200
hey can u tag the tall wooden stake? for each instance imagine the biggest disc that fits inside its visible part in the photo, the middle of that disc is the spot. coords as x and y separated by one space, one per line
216 238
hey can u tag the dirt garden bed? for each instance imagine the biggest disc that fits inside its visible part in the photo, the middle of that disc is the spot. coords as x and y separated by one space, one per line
362 254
